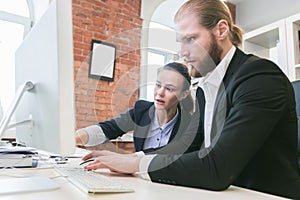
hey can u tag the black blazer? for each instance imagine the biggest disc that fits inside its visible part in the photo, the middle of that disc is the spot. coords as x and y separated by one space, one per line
138 119
255 141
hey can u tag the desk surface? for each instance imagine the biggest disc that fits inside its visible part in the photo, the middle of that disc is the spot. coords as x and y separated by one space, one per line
143 189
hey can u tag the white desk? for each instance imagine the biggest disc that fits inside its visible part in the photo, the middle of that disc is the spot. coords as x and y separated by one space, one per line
143 189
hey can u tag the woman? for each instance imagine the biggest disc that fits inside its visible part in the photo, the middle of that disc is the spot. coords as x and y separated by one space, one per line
154 124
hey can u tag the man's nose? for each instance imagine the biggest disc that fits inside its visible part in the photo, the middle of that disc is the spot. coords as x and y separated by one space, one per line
184 52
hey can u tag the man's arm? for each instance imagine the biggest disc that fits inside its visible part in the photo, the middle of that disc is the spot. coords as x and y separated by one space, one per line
258 99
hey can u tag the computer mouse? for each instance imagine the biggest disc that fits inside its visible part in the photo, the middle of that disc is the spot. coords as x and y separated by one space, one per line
61 160
87 161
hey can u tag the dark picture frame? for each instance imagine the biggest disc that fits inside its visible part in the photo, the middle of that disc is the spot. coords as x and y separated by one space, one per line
102 60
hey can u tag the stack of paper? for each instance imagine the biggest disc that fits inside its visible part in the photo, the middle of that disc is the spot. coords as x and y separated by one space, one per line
15 160
16 157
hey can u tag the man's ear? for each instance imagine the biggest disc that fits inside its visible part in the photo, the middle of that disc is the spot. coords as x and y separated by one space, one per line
222 29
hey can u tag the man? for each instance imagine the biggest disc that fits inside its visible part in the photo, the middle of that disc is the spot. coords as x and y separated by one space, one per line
247 115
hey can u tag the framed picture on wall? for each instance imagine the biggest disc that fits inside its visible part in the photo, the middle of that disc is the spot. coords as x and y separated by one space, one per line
102 60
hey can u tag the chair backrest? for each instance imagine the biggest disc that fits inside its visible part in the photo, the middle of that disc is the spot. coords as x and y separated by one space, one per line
296 85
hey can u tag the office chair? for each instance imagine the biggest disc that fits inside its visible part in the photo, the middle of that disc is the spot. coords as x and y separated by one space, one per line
296 85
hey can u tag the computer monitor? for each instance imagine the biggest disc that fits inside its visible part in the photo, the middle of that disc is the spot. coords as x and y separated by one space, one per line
46 59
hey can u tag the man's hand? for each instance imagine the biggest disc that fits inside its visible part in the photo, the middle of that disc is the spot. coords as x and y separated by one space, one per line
121 163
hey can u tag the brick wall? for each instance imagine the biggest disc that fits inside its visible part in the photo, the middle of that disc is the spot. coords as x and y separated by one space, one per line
115 22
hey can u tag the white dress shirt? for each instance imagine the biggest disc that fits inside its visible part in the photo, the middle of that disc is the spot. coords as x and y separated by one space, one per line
210 85
193 89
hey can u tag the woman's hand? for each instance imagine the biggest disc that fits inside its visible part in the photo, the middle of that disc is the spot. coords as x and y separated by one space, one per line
121 163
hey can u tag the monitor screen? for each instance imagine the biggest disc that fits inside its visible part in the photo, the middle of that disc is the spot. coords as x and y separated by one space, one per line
46 58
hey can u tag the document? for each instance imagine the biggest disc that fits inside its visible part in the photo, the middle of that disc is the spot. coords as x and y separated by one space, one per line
15 160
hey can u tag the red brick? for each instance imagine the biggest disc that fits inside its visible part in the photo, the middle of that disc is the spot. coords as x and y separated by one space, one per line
118 23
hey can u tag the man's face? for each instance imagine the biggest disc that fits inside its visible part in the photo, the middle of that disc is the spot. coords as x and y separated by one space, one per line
198 46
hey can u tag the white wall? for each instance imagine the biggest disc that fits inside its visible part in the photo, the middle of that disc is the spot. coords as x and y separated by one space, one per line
39 8
165 12
252 14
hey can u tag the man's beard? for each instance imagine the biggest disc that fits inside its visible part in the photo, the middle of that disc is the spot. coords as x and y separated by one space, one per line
215 50
212 59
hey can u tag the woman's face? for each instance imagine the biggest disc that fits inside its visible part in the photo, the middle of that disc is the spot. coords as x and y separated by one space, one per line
168 90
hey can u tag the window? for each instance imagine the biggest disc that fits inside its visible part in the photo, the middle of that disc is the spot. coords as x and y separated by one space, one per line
162 49
10 7
156 59
14 23
158 54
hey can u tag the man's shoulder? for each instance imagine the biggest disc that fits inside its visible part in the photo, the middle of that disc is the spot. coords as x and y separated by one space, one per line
253 64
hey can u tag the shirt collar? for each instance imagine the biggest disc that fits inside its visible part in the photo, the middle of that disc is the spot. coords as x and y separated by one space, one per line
216 76
156 125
